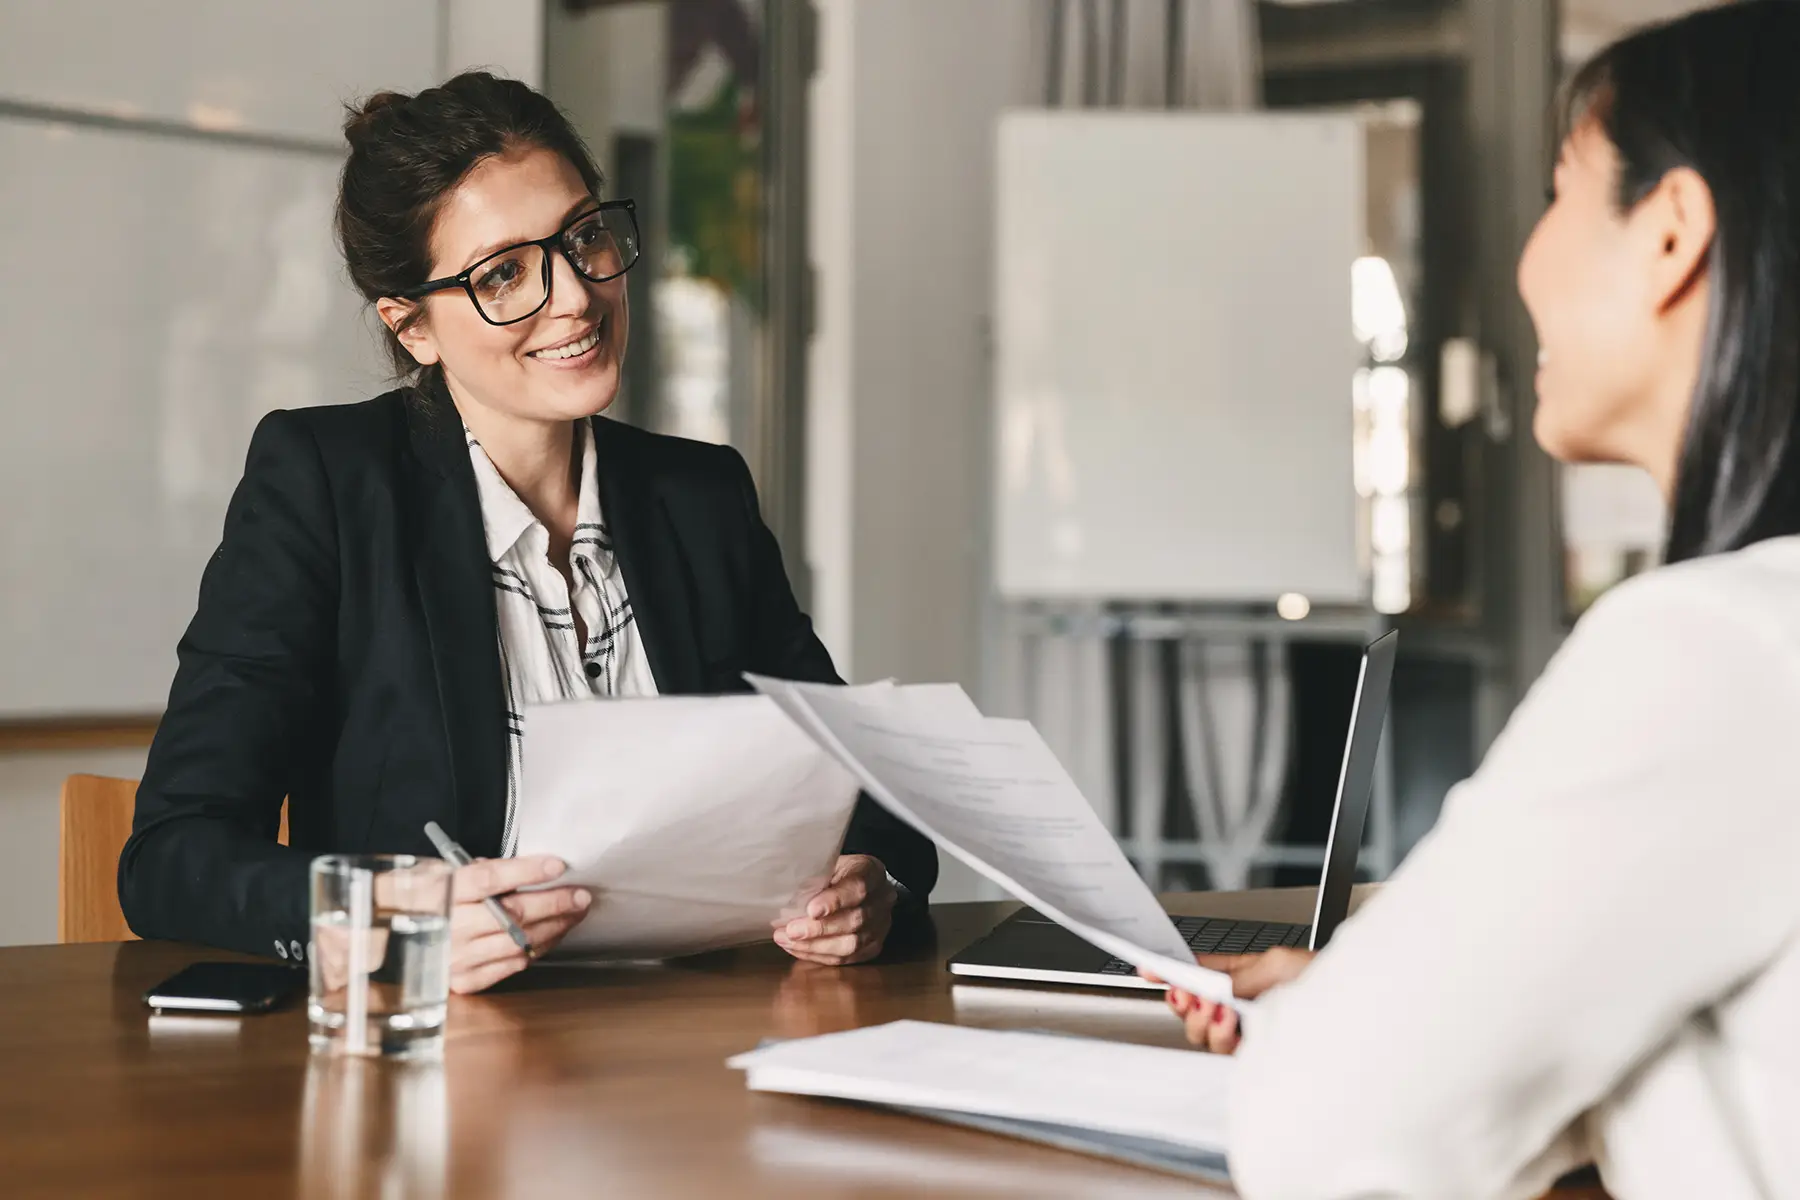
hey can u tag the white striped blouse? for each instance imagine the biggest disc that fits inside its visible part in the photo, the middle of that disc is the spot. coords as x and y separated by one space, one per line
540 660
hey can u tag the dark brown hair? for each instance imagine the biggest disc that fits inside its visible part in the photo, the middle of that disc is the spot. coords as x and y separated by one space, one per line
408 153
1717 92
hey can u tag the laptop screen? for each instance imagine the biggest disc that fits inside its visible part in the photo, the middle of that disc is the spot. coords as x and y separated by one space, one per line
1355 782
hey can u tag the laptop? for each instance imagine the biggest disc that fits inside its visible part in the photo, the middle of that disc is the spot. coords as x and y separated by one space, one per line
1029 946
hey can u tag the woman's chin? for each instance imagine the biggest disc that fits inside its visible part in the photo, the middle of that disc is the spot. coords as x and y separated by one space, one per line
1554 437
1574 447
586 396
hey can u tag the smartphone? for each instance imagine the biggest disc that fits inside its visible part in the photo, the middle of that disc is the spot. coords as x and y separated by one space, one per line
228 987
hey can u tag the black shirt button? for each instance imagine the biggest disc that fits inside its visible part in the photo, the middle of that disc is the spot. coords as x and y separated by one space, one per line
593 670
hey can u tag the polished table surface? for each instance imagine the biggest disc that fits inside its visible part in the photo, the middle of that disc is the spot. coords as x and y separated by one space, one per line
569 1081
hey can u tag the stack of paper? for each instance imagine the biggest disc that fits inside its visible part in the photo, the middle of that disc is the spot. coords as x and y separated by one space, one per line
992 793
1169 1107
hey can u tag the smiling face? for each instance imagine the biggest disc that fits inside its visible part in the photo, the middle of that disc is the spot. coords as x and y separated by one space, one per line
1581 278
560 364
1619 301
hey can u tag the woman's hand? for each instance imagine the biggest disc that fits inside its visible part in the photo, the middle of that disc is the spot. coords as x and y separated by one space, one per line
848 920
1214 1027
481 953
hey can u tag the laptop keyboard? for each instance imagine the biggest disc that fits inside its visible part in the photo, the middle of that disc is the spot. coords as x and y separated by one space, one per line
1206 935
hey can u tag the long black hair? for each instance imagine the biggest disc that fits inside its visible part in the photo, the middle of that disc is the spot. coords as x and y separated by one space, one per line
1718 91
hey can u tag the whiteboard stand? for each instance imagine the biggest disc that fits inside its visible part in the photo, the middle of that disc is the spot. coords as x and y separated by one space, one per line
1234 821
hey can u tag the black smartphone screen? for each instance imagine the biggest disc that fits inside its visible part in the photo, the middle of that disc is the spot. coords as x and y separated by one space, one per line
227 987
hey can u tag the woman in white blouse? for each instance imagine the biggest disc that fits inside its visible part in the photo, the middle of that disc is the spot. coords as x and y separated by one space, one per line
1596 953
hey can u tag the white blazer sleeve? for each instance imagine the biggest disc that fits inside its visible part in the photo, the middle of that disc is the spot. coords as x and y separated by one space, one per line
1623 859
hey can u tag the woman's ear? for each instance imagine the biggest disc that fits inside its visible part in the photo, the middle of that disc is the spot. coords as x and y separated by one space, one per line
1681 217
417 337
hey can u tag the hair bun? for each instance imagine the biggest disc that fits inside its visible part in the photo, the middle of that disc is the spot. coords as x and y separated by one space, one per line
360 121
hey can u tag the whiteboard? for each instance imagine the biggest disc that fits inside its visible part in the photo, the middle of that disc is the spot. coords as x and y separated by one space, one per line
1174 356
280 67
162 294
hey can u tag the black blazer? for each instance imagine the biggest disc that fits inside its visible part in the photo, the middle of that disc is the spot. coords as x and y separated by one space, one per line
344 656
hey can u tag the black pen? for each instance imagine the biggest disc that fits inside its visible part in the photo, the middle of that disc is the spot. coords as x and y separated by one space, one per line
456 856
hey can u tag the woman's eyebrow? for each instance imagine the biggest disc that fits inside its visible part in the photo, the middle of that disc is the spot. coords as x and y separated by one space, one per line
501 244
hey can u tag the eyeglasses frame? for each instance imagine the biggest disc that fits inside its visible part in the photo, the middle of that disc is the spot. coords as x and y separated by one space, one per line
553 242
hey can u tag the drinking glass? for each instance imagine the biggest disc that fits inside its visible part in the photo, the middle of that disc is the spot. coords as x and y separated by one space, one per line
380 955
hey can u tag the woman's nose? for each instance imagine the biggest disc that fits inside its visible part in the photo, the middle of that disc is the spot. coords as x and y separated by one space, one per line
569 294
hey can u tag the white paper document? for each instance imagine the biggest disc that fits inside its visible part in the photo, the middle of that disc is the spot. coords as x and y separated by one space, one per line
696 822
1176 1096
992 793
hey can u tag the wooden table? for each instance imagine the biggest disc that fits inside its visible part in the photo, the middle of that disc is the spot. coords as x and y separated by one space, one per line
571 1081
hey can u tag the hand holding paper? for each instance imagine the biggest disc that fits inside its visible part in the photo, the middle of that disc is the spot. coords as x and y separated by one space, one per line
699 822
991 793
848 921
694 821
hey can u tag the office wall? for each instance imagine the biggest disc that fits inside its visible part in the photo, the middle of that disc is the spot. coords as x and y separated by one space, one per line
30 782
185 81
904 109
506 36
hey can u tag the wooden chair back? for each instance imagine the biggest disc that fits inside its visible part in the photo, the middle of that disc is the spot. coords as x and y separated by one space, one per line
96 821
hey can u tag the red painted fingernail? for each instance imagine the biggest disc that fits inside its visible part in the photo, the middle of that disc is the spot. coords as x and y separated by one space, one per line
1219 1015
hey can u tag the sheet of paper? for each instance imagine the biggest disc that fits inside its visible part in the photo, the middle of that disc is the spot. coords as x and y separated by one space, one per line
924 699
993 794
1179 1096
696 821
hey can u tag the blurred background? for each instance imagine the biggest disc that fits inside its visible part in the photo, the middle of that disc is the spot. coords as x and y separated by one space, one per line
1130 362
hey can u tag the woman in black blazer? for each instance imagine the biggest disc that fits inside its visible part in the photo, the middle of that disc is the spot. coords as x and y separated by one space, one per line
345 653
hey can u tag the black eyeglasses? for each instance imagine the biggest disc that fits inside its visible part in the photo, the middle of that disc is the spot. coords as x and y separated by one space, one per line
512 284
